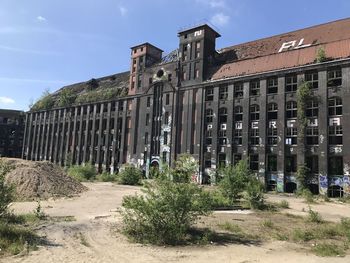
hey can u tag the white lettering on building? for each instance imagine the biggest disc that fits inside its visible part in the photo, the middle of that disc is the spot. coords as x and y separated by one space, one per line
293 44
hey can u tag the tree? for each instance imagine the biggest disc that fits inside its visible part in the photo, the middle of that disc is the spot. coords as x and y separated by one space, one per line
234 180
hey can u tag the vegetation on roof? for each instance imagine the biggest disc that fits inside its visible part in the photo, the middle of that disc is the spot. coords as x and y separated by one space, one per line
94 90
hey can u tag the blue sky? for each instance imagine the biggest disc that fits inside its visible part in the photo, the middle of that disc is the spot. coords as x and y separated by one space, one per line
46 44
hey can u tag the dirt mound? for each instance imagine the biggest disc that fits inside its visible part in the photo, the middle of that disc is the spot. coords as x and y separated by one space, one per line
41 180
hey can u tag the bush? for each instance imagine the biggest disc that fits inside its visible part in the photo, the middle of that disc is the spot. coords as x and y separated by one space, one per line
283 204
255 194
328 250
66 98
45 102
218 200
82 173
234 180
315 217
130 175
107 177
165 213
6 192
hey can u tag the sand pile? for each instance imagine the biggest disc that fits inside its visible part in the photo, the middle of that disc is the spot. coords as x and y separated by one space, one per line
41 180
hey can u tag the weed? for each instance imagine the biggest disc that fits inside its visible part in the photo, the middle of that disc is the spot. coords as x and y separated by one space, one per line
303 235
315 217
38 212
328 250
233 228
283 204
268 223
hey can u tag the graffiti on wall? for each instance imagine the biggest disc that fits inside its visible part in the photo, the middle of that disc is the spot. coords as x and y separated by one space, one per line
323 184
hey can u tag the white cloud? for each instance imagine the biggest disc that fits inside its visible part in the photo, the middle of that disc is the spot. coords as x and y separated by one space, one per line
41 19
220 19
123 11
29 51
213 3
6 100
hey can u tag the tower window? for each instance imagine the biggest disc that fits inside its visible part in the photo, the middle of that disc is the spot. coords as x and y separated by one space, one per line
334 77
209 94
238 90
291 83
272 85
223 92
291 109
255 88
312 78
254 112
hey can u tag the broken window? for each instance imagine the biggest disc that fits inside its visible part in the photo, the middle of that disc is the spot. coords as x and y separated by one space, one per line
238 89
254 88
312 135
238 113
291 164
209 94
312 109
254 112
237 158
312 164
291 83
237 139
335 106
223 92
272 85
222 115
272 163
291 109
254 162
335 165
335 135
167 99
148 102
166 118
272 111
291 136
222 160
254 136
334 77
165 137
209 115
222 137
147 119
312 78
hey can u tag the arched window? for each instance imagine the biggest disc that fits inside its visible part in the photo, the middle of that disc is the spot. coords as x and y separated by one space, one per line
209 114
335 106
272 111
254 112
222 115
238 113
291 109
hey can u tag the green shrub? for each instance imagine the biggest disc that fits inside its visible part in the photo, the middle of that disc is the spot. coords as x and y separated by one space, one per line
255 194
315 217
45 102
82 173
66 98
283 204
130 175
15 239
303 235
107 177
234 180
268 223
218 200
307 195
328 250
6 192
165 213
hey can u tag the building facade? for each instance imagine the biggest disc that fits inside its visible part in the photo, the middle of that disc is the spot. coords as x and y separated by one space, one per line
11 133
220 106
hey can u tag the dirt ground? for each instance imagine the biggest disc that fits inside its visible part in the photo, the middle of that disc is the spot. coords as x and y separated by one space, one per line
92 237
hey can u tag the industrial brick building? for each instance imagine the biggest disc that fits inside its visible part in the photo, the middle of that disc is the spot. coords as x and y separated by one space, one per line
11 133
220 106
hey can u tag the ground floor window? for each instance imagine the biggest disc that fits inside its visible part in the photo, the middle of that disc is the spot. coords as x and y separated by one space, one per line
254 162
291 164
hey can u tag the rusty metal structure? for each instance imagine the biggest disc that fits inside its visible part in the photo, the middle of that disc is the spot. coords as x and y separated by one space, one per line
220 106
11 133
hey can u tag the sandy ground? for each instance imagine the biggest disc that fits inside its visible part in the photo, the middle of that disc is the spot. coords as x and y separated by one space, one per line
96 219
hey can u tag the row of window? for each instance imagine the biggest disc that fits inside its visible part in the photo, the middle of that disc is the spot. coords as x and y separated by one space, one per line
334 79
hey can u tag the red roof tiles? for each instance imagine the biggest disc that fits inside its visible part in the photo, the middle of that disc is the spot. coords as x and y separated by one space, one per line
263 55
